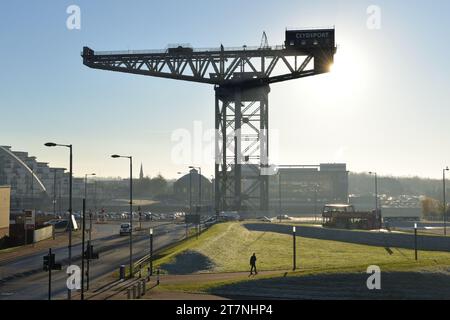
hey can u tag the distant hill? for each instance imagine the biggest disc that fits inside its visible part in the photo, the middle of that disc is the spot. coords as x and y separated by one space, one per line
363 184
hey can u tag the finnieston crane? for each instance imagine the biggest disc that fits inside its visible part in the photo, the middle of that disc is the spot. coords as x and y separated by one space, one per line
241 78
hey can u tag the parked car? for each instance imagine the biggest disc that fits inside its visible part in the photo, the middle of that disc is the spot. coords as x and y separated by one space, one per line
51 222
125 229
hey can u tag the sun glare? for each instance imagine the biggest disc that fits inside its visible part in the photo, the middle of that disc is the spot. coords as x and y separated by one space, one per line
348 74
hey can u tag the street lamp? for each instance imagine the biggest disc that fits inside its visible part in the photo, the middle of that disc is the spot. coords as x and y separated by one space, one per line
190 200
199 190
445 203
279 195
52 144
90 227
115 156
294 245
151 252
85 183
376 190
415 241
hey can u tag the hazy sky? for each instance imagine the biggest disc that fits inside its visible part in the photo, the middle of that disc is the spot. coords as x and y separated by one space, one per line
385 106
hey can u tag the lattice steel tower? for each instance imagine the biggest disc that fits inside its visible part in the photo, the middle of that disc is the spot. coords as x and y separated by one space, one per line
241 79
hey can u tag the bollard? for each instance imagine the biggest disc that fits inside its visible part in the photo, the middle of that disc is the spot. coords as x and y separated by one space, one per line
134 292
140 270
122 272
157 277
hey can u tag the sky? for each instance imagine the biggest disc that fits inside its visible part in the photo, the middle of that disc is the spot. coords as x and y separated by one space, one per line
384 107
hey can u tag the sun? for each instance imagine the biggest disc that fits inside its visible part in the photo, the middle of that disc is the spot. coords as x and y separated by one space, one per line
348 74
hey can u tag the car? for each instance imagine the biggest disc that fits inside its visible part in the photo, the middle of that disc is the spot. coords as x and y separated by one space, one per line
283 217
125 229
51 222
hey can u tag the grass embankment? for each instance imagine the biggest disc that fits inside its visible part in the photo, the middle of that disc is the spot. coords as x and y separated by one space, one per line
230 245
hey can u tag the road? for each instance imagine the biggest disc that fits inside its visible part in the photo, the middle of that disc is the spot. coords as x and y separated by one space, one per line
23 278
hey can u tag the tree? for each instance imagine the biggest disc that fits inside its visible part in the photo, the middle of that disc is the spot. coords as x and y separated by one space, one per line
431 208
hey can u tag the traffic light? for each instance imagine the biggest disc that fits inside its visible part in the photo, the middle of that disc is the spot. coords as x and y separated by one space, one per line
49 263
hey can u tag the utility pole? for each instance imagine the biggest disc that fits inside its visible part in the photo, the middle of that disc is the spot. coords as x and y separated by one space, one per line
151 251
415 241
131 210
279 195
54 193
294 264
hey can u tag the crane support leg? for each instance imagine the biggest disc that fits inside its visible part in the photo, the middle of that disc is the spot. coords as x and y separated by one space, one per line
241 149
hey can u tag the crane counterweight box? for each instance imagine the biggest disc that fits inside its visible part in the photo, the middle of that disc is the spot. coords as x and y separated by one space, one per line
309 39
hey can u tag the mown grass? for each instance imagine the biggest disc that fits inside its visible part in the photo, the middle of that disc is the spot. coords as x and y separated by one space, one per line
230 245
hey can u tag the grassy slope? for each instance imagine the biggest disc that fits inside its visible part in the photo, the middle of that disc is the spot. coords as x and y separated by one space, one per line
229 246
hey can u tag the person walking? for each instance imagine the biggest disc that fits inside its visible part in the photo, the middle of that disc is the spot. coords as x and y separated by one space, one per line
253 264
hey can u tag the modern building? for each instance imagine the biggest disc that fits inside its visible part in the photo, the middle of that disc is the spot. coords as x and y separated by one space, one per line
306 189
5 197
33 183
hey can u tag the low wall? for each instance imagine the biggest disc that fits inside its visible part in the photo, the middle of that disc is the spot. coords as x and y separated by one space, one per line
42 234
380 239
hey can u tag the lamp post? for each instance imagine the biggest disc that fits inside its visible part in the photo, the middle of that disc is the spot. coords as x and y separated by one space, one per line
199 190
115 156
82 249
294 249
415 241
212 192
151 251
190 202
54 193
376 190
445 202
52 144
90 227
85 183
279 195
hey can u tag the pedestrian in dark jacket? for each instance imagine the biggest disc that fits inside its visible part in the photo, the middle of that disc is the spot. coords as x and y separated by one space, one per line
253 264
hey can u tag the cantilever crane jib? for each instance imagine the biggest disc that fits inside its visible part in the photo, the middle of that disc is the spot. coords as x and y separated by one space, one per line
241 77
